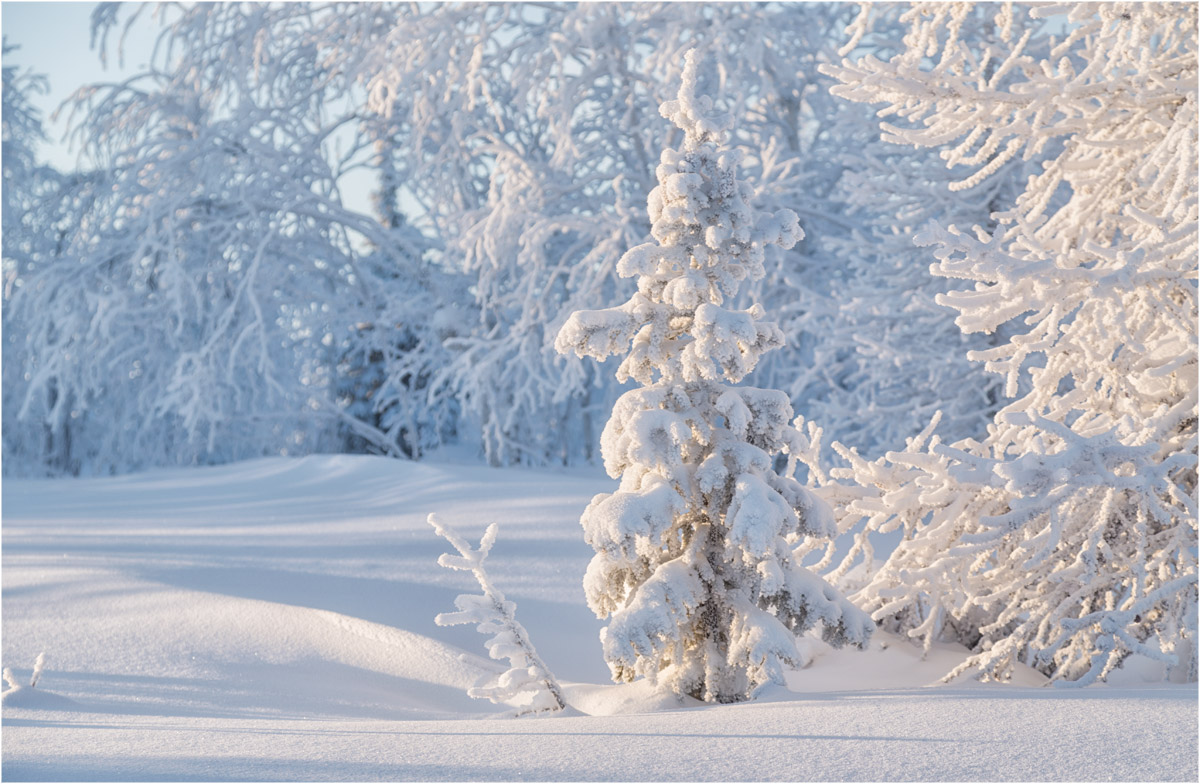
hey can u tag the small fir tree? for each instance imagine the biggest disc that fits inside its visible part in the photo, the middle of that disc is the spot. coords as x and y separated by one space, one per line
693 553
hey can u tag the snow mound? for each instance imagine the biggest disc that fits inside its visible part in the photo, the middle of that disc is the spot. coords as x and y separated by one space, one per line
37 699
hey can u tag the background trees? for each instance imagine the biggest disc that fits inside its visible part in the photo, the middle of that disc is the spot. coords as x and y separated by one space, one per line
27 235
212 279
507 149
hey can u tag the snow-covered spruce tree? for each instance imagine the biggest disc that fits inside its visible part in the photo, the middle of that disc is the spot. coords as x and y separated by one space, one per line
693 561
1067 538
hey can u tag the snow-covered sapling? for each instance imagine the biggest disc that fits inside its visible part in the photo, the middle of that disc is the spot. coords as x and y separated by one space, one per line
39 664
693 553
528 682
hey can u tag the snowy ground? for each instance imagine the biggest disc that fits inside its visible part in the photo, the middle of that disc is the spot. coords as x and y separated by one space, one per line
274 620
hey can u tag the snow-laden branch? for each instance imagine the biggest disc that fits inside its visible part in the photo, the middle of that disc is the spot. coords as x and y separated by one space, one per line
1065 538
528 683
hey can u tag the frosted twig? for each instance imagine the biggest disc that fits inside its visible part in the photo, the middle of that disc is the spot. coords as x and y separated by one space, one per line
495 615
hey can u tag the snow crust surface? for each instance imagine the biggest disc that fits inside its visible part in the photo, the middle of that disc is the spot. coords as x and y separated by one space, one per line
273 619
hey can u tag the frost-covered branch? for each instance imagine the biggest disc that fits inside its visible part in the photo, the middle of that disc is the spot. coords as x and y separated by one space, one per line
527 681
1066 538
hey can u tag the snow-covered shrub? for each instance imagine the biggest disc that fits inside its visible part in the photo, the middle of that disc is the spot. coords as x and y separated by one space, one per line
39 664
1065 539
693 553
528 683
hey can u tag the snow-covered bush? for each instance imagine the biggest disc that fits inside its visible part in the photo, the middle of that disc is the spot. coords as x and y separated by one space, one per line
528 683
39 664
693 561
1066 538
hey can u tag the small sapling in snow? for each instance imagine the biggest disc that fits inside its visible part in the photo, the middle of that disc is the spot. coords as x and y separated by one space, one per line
528 683
39 664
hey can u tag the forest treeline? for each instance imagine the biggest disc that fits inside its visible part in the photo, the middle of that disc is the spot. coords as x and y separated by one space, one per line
207 288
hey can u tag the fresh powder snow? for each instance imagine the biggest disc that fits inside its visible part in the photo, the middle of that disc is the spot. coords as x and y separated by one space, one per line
274 619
